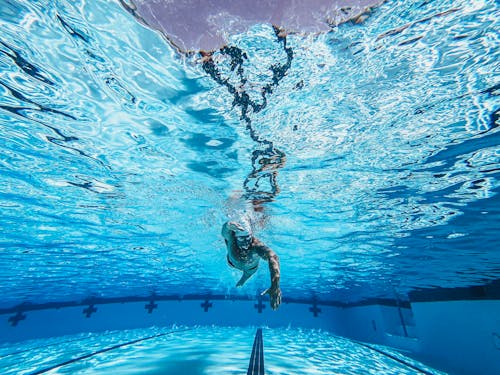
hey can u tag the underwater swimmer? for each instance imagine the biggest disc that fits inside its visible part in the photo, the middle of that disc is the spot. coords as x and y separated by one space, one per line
244 252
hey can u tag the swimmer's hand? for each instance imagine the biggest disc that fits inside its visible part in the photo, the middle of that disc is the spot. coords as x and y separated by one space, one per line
274 296
244 278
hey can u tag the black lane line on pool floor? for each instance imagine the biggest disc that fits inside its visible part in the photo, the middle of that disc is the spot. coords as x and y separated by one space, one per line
55 344
256 365
418 369
73 360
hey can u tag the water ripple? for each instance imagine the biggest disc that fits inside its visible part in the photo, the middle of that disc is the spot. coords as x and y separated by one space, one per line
118 154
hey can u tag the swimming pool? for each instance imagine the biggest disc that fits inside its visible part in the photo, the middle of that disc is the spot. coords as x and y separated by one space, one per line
366 157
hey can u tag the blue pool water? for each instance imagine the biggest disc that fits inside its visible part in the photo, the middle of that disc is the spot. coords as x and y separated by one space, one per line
373 152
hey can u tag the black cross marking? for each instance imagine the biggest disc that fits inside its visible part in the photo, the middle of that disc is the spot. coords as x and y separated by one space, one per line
151 306
16 318
260 306
89 310
315 309
206 305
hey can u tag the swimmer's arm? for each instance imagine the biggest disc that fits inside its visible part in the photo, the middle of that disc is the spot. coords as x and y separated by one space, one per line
273 260
244 278
274 269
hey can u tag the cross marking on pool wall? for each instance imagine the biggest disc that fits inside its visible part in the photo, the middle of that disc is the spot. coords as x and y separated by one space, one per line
89 310
260 306
206 305
315 309
151 306
14 320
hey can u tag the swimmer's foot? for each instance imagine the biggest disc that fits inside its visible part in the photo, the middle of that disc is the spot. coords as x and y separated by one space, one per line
274 296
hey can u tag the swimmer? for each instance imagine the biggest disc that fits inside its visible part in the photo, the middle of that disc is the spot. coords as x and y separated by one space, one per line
244 252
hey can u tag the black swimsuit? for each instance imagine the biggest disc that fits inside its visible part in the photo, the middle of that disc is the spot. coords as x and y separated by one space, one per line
232 265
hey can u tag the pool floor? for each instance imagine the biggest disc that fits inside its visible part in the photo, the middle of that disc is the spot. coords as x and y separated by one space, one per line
202 350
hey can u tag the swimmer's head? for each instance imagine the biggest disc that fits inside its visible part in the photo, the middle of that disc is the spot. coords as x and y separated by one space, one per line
232 227
241 235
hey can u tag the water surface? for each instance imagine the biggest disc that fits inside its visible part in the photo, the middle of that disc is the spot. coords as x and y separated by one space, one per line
119 156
